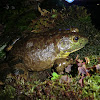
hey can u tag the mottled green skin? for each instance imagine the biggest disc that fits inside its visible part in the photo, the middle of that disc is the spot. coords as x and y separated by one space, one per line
38 52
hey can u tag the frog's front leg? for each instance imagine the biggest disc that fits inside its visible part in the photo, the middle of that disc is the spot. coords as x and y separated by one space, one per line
61 63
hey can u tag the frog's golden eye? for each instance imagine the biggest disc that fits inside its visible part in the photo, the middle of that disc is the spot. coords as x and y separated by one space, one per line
75 39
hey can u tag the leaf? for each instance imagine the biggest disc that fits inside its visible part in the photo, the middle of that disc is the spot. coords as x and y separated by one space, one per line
65 78
87 60
79 62
82 70
98 67
68 69
55 76
81 81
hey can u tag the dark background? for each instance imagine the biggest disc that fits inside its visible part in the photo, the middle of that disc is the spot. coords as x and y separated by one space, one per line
91 6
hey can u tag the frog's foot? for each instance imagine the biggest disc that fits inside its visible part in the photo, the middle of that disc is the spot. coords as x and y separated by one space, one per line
61 63
20 71
17 67
17 76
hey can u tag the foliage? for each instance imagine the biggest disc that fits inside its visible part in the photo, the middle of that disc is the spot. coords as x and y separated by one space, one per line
55 76
74 16
82 86
8 93
69 17
93 60
18 19
17 16
2 53
92 86
44 90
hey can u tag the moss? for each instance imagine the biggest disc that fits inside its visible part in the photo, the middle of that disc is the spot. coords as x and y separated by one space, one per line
45 90
92 86
19 20
8 93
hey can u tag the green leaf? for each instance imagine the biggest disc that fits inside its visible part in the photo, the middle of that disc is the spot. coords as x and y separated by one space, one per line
55 76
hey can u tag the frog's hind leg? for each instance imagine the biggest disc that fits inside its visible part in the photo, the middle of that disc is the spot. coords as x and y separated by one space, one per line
18 68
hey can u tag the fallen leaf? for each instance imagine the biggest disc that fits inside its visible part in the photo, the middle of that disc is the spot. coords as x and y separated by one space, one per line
65 78
98 67
1 83
79 64
83 70
77 57
68 68
87 60
81 81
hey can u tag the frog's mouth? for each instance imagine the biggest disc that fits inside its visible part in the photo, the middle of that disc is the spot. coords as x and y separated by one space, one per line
71 50
64 54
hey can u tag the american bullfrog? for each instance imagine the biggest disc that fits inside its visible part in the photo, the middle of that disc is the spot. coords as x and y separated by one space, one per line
38 52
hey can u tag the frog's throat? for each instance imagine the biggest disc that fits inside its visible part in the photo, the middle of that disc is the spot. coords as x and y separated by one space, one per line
63 54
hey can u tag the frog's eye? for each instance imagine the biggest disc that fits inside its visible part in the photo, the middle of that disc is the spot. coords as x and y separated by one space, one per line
75 39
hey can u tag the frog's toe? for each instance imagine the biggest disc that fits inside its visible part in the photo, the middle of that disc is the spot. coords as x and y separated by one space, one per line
21 73
19 70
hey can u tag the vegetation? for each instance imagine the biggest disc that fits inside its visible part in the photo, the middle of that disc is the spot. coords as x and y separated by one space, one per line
92 86
83 85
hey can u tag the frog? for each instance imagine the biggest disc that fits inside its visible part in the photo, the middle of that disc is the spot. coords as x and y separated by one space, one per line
38 52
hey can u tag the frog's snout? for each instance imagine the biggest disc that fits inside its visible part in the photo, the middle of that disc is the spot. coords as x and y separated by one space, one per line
84 41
